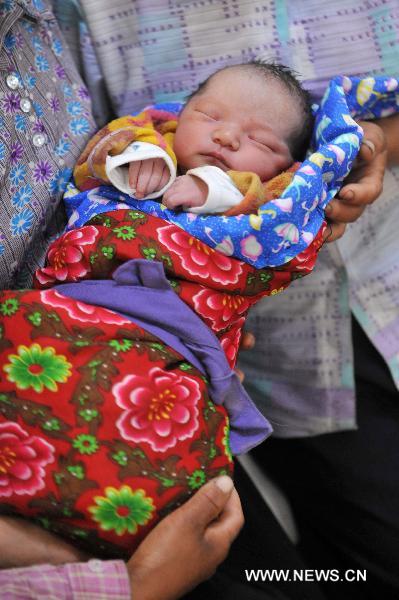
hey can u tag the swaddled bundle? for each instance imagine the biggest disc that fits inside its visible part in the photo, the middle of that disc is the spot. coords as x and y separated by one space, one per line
117 400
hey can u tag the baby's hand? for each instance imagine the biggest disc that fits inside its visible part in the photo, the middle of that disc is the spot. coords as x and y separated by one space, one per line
187 191
148 176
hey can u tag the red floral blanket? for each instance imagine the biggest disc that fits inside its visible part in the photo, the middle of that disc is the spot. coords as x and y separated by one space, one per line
104 429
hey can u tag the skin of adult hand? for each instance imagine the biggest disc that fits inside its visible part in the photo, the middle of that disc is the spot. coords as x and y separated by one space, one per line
363 184
247 342
187 546
148 176
24 544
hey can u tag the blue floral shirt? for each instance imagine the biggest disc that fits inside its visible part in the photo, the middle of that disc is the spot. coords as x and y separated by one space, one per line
45 121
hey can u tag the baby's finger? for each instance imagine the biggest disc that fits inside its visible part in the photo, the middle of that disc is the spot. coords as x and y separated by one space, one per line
155 178
155 183
144 177
171 199
134 170
164 178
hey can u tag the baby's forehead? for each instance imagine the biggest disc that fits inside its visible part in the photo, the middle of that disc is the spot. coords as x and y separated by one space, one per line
238 74
247 87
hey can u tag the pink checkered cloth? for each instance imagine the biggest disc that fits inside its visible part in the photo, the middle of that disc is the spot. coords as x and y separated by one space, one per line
92 580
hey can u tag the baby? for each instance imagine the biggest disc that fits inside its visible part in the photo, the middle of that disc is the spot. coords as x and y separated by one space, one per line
243 126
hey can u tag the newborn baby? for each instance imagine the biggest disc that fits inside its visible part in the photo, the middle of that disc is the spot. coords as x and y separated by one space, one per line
242 127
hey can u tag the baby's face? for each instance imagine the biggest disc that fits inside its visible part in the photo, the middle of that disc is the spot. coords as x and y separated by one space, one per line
238 122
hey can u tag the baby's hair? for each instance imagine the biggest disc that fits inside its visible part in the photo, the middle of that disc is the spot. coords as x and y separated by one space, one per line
300 138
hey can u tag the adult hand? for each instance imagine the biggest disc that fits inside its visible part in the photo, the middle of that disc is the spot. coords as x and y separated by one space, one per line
247 342
186 191
186 547
24 544
148 176
363 184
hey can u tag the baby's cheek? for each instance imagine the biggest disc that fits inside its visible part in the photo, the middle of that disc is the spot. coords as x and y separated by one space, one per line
184 148
180 147
264 165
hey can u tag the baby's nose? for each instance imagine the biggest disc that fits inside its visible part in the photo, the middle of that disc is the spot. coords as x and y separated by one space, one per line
227 135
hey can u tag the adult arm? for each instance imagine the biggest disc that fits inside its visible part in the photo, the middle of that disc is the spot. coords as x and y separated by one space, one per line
198 536
23 544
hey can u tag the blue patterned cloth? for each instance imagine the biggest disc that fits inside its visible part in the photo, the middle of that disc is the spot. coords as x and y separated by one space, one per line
284 227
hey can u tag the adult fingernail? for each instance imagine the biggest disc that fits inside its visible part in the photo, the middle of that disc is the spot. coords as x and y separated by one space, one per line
369 145
224 483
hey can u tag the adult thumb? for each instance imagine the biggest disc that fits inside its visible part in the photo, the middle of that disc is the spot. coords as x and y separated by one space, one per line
207 504
373 142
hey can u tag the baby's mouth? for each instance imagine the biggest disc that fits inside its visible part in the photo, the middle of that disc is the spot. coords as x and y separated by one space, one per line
215 159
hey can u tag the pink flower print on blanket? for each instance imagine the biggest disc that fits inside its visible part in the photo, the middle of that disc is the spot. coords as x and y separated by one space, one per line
22 460
159 409
221 310
230 342
65 260
199 259
81 311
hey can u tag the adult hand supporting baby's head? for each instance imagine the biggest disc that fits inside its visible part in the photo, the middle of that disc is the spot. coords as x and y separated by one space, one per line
363 184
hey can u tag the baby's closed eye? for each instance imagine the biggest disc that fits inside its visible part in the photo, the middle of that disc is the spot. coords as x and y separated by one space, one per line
260 141
208 114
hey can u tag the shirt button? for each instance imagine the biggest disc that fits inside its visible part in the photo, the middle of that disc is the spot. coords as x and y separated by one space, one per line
95 565
39 139
12 81
25 105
